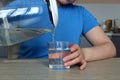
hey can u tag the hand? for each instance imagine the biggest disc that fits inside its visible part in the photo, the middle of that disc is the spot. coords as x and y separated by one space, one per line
75 57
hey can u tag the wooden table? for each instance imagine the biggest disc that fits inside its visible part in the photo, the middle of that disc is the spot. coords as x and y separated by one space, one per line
37 69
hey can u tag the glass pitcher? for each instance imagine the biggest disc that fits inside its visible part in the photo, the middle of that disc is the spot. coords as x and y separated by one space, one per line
21 21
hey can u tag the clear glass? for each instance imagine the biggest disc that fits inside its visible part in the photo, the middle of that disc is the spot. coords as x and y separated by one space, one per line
57 50
117 25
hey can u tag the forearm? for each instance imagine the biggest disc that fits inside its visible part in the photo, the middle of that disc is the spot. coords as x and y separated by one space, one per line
98 52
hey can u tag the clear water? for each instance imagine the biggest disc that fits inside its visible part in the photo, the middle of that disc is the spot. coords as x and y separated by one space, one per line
56 59
53 34
56 56
57 64
13 36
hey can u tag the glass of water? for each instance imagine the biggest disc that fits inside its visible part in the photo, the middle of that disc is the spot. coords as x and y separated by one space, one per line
57 50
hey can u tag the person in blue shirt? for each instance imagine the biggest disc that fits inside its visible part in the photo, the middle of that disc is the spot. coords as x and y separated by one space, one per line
73 22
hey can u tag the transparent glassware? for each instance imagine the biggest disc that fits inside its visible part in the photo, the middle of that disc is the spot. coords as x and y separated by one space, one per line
20 22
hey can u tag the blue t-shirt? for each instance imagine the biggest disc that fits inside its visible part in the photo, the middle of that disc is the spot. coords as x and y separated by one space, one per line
73 21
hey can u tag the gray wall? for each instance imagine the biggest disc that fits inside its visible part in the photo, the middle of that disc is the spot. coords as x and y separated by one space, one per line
104 11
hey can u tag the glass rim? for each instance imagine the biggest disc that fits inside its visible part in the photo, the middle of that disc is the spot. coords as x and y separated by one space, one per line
59 42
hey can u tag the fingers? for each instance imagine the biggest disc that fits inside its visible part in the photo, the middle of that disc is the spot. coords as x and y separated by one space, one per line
72 56
75 54
74 48
68 62
83 66
75 57
77 60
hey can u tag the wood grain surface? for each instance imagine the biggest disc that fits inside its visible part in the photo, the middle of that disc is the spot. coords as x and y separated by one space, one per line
37 69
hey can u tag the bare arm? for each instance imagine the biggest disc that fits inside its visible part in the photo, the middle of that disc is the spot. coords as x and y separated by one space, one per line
103 47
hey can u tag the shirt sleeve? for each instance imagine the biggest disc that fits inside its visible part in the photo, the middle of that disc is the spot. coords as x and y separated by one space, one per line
89 21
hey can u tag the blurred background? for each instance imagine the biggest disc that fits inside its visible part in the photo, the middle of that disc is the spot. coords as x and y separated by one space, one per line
103 10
